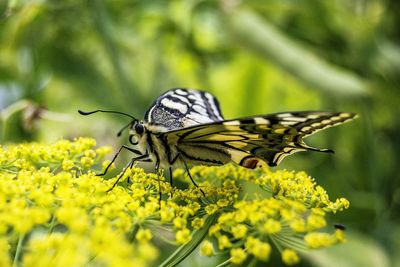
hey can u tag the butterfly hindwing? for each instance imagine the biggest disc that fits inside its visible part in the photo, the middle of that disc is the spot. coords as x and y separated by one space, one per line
253 141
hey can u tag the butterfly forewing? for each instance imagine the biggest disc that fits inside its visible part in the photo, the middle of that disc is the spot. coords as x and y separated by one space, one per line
253 141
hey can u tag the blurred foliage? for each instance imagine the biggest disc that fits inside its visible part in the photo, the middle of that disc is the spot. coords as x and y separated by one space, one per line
256 57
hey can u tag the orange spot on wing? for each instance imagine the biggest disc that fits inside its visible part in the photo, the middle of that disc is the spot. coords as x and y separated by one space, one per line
250 163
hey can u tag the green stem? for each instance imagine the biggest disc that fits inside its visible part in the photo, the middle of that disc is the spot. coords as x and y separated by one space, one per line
19 250
225 263
52 224
133 233
253 262
183 251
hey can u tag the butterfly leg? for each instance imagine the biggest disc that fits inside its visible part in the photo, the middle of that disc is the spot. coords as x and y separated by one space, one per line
159 183
191 178
115 157
130 167
130 164
171 162
170 181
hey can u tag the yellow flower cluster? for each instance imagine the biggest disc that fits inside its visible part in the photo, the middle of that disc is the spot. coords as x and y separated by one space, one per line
54 210
289 215
62 216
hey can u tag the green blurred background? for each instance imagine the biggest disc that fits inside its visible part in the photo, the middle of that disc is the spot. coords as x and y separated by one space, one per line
255 56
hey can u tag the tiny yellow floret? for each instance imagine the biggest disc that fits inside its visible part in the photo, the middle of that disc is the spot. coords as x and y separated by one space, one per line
290 257
272 226
238 255
183 236
197 223
144 235
239 231
67 164
87 162
206 248
223 242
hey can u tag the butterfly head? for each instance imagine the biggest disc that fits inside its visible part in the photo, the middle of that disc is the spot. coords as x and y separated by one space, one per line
137 131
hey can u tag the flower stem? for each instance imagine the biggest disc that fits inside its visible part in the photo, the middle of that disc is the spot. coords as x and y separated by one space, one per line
225 263
19 250
183 251
52 224
132 234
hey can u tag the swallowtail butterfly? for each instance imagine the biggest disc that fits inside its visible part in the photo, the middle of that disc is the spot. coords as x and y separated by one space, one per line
186 127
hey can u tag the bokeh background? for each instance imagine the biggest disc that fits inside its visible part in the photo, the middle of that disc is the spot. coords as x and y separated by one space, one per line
255 56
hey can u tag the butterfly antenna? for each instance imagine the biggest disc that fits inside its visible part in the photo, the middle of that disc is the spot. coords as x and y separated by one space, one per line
106 111
123 128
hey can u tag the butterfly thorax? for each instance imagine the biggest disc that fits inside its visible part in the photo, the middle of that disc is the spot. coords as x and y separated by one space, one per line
147 139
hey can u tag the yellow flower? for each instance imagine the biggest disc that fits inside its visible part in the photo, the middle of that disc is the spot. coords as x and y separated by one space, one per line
318 240
272 226
290 257
262 251
214 229
166 214
238 255
4 253
340 237
180 222
206 248
75 218
87 162
315 221
90 153
53 189
67 164
197 223
223 242
240 216
239 231
222 203
211 209
183 236
259 249
144 235
298 225
147 251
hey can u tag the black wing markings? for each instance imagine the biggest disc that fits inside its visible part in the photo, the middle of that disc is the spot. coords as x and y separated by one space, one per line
271 142
181 108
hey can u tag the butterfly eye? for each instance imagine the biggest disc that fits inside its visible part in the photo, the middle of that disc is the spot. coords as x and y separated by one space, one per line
139 128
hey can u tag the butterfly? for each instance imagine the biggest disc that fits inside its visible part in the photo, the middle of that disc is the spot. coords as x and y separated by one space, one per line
185 127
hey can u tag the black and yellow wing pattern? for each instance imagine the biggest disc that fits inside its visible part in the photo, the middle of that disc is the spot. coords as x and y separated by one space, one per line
252 141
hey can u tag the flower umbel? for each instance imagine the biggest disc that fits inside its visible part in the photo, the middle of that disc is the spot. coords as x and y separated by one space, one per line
54 211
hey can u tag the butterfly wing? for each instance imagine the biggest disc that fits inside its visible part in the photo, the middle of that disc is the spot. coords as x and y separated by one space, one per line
181 108
252 141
